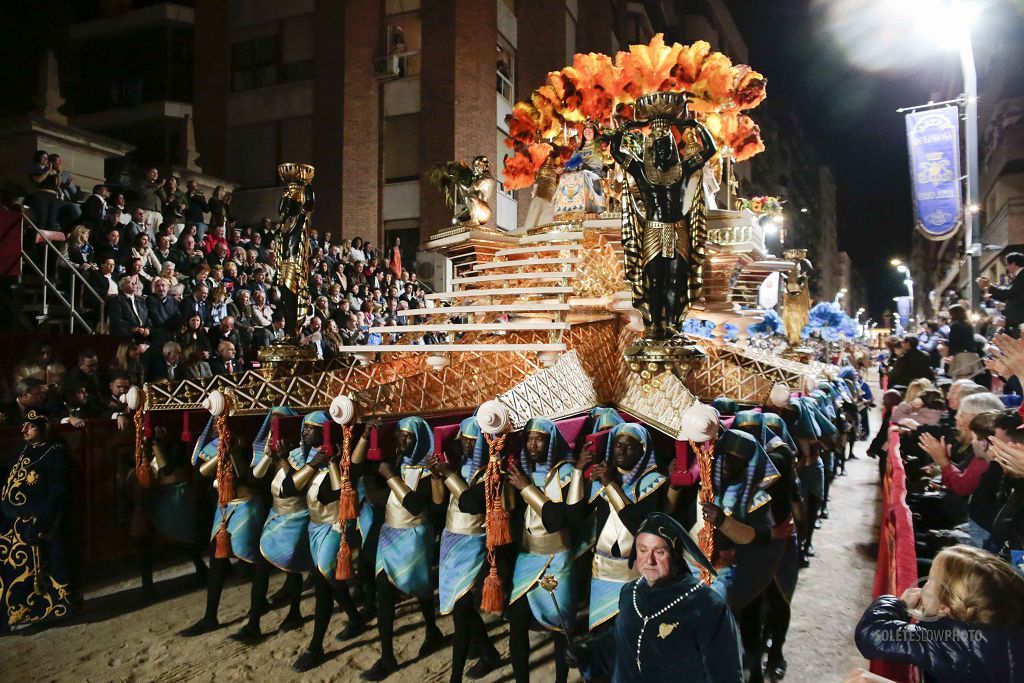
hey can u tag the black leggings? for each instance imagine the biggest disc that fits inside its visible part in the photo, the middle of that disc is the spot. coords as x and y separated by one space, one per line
750 636
469 630
215 583
776 619
519 619
258 591
327 592
813 505
386 594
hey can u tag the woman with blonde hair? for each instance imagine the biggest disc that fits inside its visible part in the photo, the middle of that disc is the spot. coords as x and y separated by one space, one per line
167 274
80 252
970 615
128 360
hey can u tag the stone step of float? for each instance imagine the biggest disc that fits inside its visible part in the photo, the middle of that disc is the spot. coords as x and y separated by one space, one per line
452 348
540 249
538 307
511 277
527 263
500 291
457 328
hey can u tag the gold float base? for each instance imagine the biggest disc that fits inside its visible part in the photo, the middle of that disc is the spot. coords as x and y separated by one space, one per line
651 357
286 356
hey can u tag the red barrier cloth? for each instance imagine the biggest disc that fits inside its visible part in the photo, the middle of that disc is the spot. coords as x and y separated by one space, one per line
570 429
686 471
10 243
896 569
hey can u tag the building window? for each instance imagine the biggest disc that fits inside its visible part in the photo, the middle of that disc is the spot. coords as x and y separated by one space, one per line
506 64
254 63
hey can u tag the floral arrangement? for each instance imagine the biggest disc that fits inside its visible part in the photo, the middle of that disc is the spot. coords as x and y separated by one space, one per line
597 90
763 206
829 322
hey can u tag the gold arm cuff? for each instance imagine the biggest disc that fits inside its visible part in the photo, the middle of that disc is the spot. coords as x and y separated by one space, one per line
616 497
334 472
361 449
209 468
575 493
534 497
399 487
456 485
262 467
159 457
302 478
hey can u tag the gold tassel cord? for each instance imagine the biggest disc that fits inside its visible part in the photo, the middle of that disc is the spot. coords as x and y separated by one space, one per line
706 494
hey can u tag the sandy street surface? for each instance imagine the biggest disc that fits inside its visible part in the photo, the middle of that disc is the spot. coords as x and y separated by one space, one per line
119 639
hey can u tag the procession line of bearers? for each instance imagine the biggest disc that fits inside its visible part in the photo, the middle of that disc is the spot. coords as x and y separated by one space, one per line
567 511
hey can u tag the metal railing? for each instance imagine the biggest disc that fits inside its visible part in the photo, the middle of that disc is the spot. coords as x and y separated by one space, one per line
77 281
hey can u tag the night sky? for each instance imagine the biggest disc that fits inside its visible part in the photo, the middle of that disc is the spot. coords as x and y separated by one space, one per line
850 117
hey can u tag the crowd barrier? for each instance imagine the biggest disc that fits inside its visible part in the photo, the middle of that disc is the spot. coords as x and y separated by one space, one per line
896 570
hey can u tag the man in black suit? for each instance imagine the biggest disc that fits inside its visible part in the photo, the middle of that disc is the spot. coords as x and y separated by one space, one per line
196 303
219 255
225 363
129 316
912 364
163 311
104 279
226 331
109 403
185 256
86 374
29 393
94 209
1011 295
168 367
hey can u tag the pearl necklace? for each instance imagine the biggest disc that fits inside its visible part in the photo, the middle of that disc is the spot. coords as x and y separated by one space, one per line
666 608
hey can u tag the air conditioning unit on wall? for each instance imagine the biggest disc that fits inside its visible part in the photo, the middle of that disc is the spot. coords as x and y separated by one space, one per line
386 67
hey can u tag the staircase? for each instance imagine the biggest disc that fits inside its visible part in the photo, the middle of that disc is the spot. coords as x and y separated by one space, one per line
51 295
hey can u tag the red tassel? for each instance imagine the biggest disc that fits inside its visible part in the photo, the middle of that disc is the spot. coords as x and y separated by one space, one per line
498 531
343 572
347 503
223 541
186 433
143 475
493 598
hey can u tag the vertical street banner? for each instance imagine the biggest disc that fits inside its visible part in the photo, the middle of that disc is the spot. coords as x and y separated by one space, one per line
933 139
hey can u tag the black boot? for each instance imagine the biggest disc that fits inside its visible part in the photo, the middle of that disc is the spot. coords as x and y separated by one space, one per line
202 626
310 659
379 671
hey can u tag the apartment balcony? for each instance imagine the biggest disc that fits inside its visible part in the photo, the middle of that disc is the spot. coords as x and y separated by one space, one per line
1007 225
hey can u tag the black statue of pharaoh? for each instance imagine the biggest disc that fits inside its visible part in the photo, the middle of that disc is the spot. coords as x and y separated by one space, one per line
296 212
664 217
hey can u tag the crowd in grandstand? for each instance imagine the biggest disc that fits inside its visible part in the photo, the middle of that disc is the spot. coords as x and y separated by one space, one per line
195 291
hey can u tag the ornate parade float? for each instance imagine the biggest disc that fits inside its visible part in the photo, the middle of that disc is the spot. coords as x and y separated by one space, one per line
628 243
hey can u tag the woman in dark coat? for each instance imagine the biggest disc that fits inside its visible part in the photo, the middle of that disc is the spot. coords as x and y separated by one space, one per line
969 621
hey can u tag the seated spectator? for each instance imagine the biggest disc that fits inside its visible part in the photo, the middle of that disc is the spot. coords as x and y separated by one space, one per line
168 366
80 252
313 337
350 333
926 409
163 250
186 256
196 366
970 614
193 335
276 332
224 363
75 409
42 366
112 248
321 309
226 330
86 374
128 361
245 322
144 252
177 292
218 305
214 238
29 393
332 334
128 313
109 404
168 273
